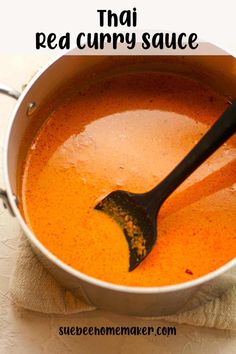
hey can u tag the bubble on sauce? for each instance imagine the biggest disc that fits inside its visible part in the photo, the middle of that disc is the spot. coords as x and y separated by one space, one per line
119 182
33 146
227 151
83 179
123 136
233 188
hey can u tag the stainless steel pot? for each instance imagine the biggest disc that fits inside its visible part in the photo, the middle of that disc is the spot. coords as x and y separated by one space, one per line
219 72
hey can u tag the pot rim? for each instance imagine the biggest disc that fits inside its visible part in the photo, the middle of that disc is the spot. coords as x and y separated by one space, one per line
76 273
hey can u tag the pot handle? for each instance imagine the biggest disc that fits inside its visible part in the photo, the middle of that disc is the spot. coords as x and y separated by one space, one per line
6 90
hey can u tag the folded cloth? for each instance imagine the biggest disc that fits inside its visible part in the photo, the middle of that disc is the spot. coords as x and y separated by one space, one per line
33 288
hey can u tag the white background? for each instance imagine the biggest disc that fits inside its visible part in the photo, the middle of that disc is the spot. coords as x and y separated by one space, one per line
212 20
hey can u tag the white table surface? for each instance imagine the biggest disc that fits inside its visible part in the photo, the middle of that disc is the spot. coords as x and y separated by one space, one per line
23 331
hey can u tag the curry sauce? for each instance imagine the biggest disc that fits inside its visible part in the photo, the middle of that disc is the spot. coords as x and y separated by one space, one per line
128 132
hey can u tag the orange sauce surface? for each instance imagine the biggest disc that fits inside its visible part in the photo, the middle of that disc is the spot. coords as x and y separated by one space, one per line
128 132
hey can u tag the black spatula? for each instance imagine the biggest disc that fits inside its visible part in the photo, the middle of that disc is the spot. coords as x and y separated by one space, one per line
137 213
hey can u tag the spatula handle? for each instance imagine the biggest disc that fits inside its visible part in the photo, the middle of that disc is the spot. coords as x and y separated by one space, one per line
222 130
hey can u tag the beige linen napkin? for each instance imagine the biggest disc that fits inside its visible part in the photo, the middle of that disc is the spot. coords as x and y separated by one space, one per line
33 288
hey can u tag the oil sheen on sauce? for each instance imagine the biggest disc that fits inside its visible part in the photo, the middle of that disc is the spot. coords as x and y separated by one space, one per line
128 132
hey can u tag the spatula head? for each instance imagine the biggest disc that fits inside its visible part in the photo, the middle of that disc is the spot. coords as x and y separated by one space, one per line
139 228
